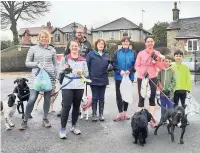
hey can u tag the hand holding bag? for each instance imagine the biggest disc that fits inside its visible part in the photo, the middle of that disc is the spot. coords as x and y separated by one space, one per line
126 89
42 81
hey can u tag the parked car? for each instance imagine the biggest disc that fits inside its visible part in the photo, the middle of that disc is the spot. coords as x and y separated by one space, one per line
190 62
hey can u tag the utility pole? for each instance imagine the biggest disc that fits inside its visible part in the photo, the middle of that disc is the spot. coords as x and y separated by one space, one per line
141 26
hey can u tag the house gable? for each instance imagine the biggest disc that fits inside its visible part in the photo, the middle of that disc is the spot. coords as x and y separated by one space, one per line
119 24
68 28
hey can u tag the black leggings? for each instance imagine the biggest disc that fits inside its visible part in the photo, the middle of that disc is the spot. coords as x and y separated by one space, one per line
122 105
153 92
71 96
180 94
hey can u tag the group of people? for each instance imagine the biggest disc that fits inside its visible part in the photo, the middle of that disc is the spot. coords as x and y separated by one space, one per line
172 80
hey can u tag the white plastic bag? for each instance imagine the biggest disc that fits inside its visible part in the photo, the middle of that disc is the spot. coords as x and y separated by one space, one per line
126 89
145 90
192 106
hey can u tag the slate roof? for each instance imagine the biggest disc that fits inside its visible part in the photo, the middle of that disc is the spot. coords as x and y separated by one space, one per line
188 27
119 24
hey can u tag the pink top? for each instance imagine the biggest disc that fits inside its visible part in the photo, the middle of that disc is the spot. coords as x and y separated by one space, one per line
144 63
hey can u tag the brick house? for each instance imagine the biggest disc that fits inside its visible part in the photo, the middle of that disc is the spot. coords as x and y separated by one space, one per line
59 36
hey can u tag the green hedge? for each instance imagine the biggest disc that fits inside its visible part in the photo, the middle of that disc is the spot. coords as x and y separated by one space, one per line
14 60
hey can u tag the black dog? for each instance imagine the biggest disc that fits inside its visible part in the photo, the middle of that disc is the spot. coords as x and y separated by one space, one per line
23 94
175 116
139 125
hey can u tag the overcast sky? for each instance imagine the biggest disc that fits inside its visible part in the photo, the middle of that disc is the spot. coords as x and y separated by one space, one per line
98 13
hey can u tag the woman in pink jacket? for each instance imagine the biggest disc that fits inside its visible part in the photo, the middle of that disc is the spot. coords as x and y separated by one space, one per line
147 63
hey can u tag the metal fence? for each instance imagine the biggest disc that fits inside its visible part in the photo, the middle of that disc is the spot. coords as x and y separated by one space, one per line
197 66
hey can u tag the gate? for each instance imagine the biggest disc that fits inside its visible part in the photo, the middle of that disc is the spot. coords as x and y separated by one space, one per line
197 66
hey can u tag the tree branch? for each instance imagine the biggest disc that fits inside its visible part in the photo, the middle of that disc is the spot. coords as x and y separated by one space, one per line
20 11
12 11
5 6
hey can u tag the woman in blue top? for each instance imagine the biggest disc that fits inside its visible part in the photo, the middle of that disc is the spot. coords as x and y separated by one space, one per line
97 61
123 63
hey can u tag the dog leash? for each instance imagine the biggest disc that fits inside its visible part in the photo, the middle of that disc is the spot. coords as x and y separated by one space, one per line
161 91
71 79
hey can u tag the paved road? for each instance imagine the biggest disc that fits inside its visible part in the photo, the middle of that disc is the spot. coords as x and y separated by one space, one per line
107 137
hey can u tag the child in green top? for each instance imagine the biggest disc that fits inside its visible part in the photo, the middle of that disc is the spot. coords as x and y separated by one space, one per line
183 79
166 83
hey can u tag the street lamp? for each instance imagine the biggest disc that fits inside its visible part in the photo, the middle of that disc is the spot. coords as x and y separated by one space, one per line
74 27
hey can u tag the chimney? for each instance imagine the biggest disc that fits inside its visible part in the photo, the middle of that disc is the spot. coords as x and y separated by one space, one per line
49 24
85 29
175 12
141 25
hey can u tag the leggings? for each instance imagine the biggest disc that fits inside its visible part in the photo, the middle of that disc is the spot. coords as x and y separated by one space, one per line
71 96
122 105
153 92
32 100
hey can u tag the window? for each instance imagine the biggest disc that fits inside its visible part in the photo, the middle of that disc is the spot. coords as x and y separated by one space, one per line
69 36
100 34
130 33
192 45
112 35
57 37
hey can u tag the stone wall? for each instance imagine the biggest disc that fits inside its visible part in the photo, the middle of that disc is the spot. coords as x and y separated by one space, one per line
172 43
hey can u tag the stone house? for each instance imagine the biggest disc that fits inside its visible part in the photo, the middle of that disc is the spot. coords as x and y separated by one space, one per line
59 36
115 30
183 34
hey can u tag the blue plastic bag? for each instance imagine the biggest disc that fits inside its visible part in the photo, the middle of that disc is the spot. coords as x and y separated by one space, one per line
42 81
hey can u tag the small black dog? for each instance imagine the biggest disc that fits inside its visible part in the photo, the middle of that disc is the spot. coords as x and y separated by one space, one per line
175 116
139 125
23 94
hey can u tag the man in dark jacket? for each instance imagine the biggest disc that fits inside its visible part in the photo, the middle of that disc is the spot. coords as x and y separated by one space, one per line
85 47
85 44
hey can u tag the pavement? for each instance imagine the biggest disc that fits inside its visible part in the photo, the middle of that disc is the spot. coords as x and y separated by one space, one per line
106 137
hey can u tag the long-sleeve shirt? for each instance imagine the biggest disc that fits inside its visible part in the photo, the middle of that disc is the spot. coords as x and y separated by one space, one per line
144 63
183 77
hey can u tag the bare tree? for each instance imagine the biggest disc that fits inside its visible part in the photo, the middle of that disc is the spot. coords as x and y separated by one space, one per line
12 11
